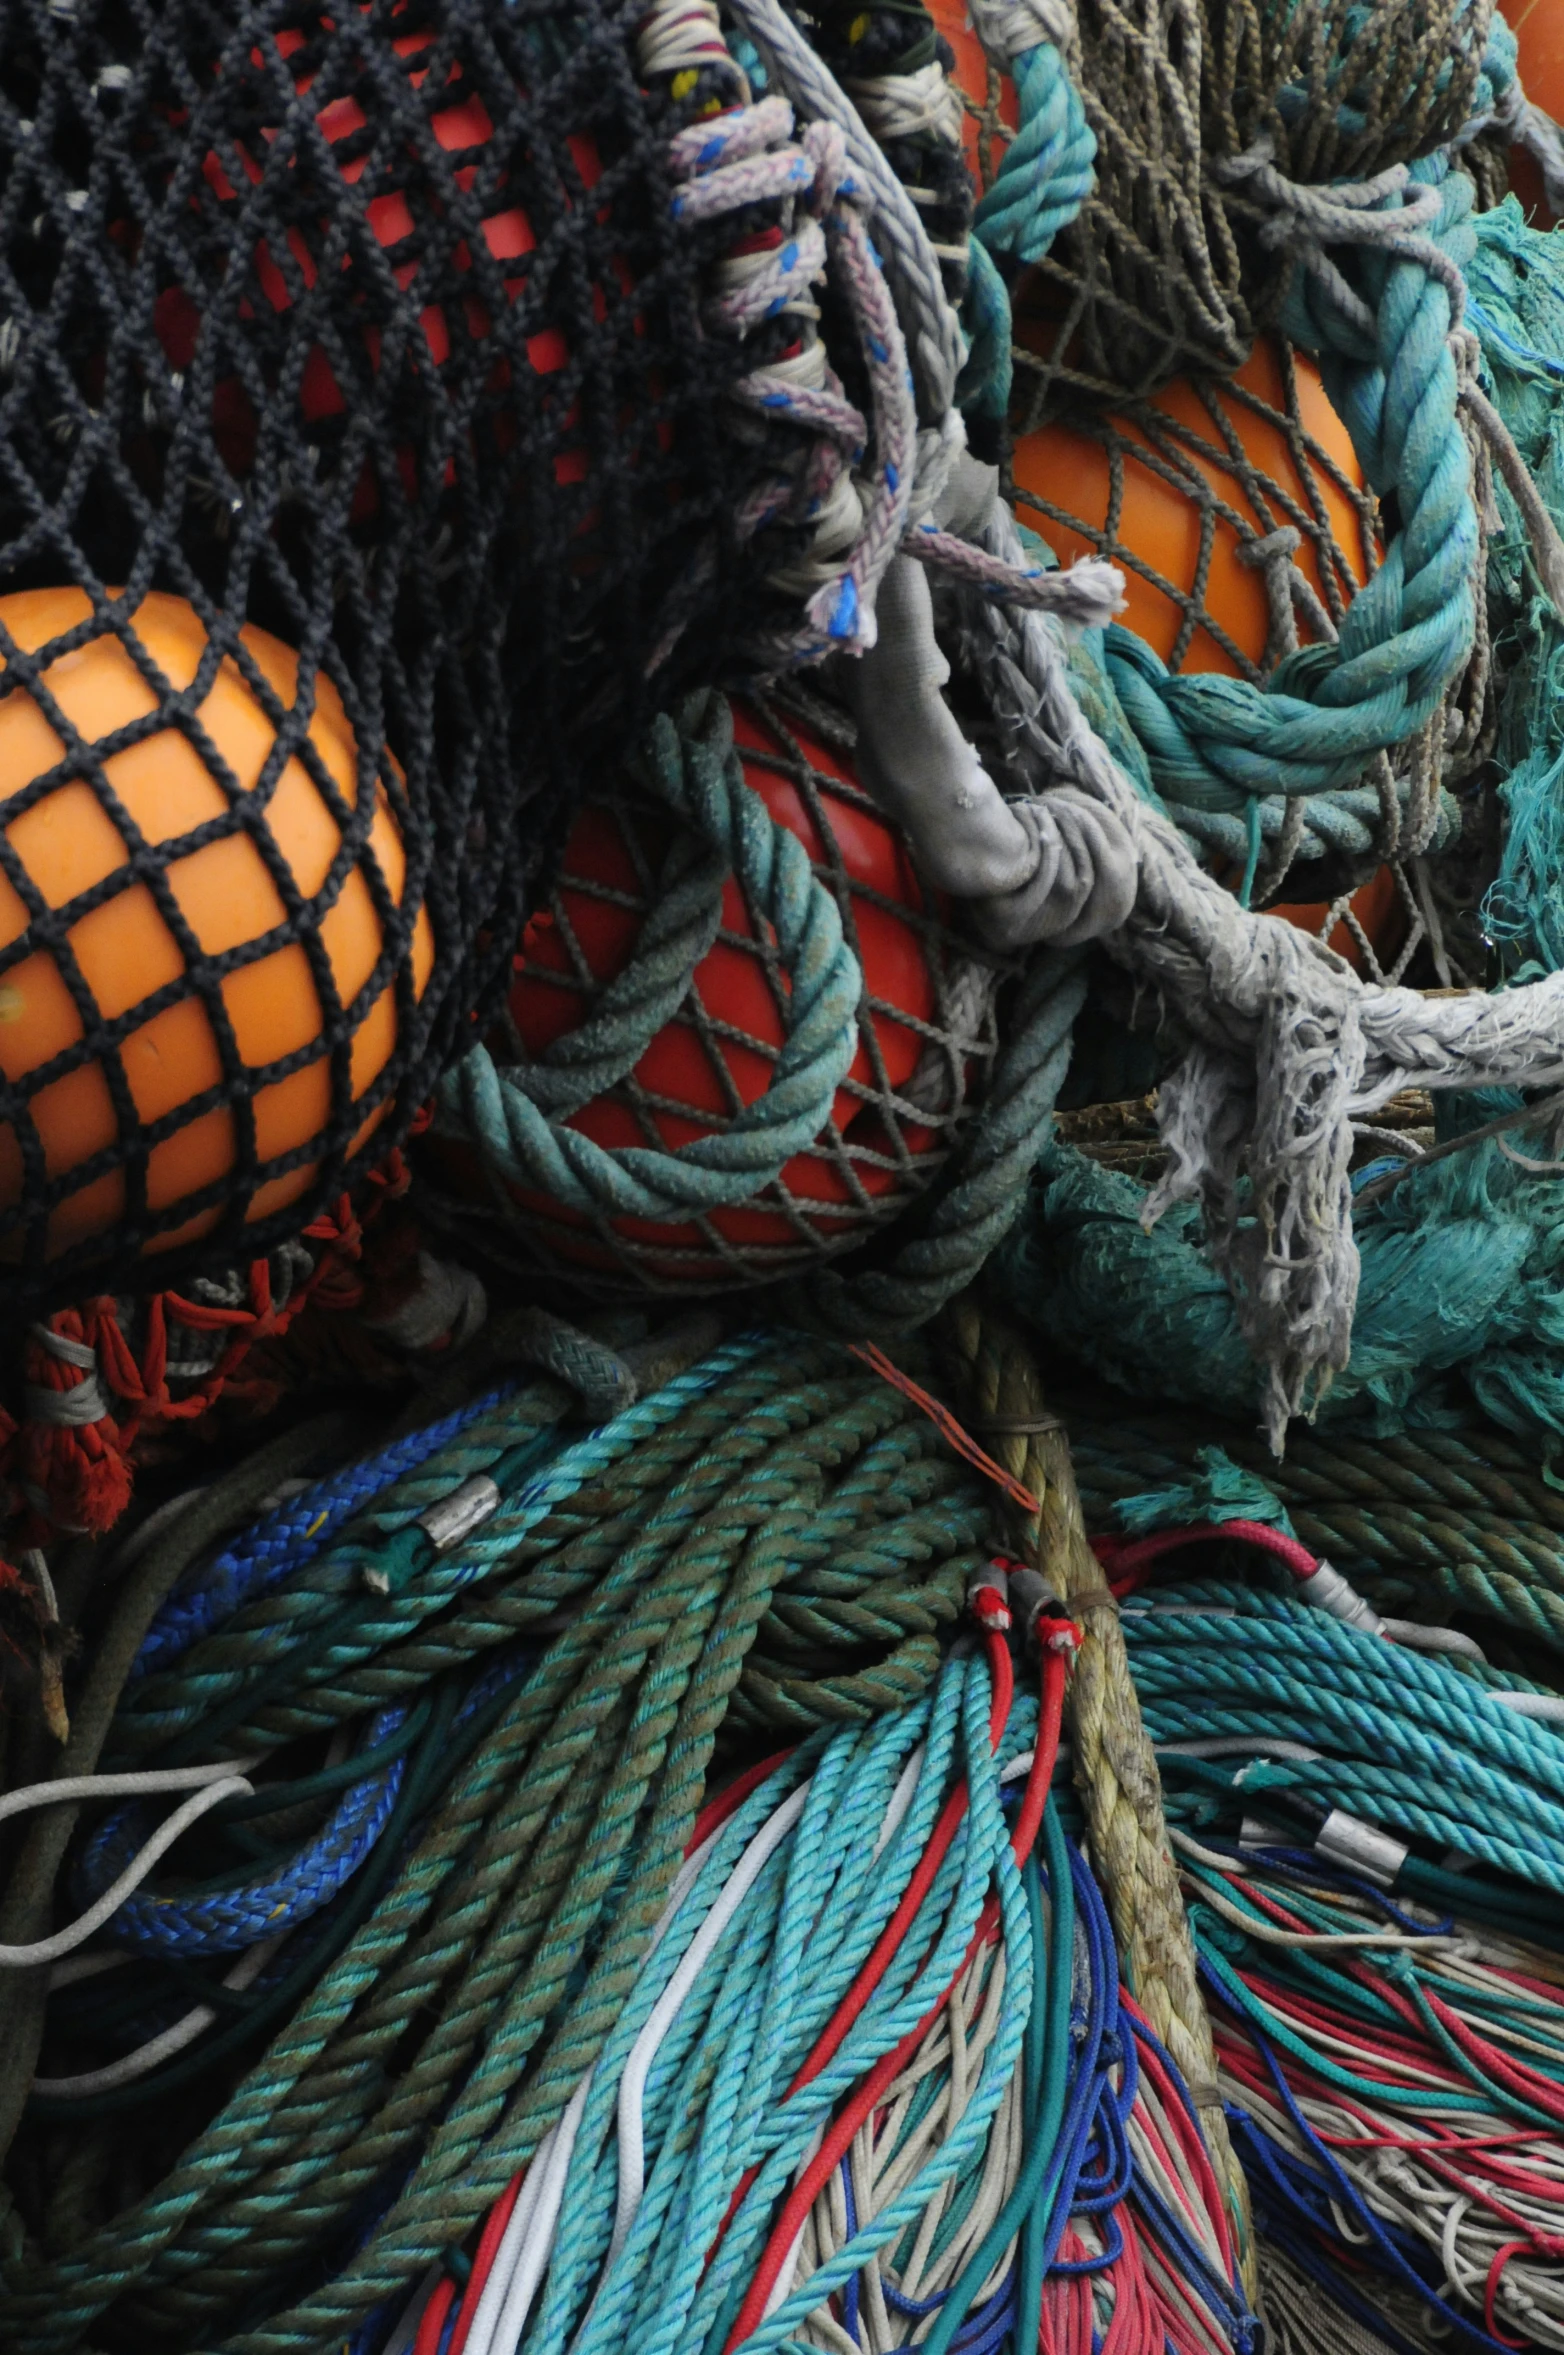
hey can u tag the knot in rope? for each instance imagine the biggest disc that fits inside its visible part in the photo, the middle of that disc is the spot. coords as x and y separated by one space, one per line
1388 212
72 1407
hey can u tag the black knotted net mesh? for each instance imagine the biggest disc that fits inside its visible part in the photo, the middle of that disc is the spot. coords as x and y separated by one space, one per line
357 422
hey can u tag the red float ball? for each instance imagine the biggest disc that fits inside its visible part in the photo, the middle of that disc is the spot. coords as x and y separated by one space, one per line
878 1150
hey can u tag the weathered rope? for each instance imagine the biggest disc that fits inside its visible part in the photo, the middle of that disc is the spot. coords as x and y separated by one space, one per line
696 772
1428 1522
1115 1771
777 1545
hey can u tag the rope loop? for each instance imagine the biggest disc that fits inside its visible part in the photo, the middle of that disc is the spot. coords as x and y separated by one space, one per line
509 1111
1387 351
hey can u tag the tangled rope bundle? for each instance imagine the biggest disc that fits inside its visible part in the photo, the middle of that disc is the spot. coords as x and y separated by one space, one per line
1335 1800
707 1579
516 1111
1429 1523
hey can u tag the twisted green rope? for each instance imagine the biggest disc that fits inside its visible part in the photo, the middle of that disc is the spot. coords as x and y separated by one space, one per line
1424 1523
779 1552
515 1113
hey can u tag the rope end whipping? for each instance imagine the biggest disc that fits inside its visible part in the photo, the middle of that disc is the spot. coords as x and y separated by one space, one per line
1044 1619
987 1599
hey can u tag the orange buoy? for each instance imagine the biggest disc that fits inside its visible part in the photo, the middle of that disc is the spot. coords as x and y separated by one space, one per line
1161 531
717 1055
98 916
1538 26
953 23
1181 507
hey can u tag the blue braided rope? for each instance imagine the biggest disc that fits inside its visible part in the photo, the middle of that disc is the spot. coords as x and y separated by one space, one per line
222 1921
288 1538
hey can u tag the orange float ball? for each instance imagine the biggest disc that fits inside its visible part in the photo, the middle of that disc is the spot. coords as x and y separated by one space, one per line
1064 486
1538 26
76 856
1157 533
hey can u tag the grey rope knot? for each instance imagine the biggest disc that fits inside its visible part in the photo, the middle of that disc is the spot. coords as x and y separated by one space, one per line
1288 592
69 1410
1389 212
1287 1047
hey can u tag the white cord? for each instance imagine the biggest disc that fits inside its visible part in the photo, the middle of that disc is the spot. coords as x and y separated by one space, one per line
86 1966
632 2085
48 1950
538 2241
158 2049
150 1783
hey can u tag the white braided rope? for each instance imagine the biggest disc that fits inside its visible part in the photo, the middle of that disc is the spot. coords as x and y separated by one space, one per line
1287 1045
932 330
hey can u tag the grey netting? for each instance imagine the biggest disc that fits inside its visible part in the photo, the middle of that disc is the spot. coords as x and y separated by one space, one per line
1273 522
1160 273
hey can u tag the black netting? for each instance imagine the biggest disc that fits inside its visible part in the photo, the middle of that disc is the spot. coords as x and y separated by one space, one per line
374 332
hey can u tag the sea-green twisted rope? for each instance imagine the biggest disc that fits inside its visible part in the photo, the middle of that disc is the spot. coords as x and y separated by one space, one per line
1045 175
323 1620
514 1113
1425 1523
516 1882
1215 742
949 1240
396 1654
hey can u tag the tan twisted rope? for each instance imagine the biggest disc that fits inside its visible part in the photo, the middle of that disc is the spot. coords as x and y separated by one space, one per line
1001 1397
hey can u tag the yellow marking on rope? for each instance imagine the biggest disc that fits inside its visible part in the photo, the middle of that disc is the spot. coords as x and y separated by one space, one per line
857 29
319 1522
683 84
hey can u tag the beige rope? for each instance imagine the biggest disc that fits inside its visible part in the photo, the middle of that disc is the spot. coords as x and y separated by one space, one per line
999 1388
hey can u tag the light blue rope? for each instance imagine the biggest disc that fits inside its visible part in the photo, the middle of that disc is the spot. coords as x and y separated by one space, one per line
1042 182
715 2101
1046 175
1408 1741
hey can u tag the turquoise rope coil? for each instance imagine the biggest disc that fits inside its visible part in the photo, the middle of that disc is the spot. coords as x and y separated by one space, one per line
1215 743
515 1112
1409 1743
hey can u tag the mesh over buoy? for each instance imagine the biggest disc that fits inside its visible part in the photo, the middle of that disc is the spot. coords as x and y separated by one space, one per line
388 331
1236 507
213 939
738 1058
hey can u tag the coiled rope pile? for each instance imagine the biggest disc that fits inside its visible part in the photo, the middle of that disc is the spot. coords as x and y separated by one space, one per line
1370 1844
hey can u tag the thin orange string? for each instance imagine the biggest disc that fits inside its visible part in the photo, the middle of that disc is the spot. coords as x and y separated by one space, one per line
946 1425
